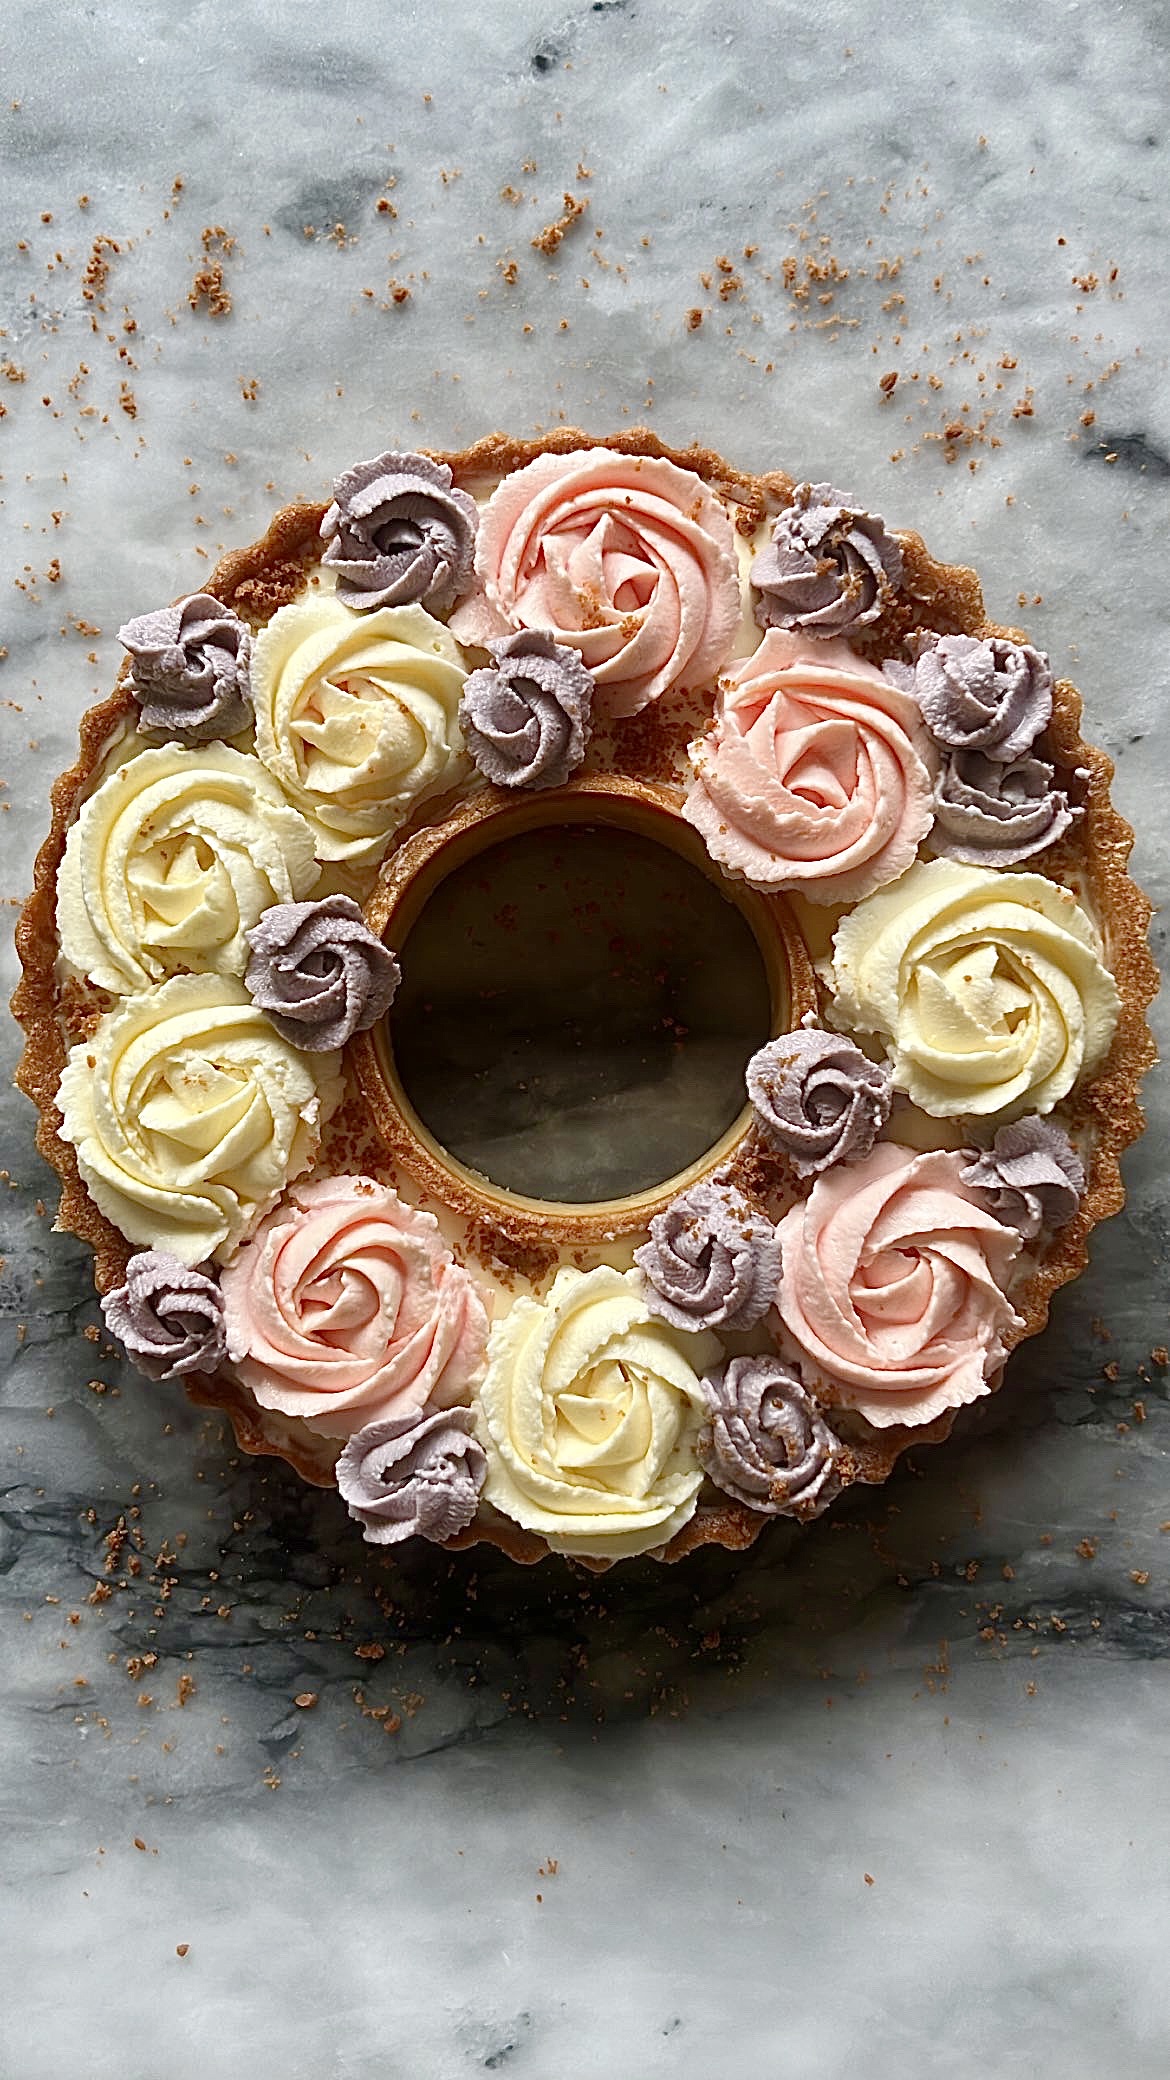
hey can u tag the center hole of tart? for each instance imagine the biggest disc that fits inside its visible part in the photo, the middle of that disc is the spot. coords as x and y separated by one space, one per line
578 1006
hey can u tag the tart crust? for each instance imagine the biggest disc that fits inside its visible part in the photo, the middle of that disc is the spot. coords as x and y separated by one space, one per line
271 572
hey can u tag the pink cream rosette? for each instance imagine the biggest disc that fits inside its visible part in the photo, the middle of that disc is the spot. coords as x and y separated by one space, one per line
347 1307
627 559
816 775
892 1286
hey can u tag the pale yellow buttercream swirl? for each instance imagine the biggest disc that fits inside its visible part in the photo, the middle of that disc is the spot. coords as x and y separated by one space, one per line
989 988
189 1114
172 860
589 1414
357 717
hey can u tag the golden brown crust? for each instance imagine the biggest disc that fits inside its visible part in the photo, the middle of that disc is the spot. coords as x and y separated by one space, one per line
271 572
256 580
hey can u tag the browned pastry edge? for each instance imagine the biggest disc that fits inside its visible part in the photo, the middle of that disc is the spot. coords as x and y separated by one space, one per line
522 1228
258 579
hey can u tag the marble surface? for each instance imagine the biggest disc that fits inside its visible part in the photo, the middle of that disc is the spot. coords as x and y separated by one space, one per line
893 1790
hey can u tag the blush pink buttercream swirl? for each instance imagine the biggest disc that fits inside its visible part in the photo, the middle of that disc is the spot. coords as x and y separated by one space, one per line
347 1305
892 1286
627 559
815 775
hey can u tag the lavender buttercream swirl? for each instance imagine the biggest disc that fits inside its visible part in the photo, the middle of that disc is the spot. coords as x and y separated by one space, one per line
1030 1178
415 1476
830 566
766 1443
818 1099
400 533
169 1318
189 669
526 721
979 693
319 972
991 814
712 1261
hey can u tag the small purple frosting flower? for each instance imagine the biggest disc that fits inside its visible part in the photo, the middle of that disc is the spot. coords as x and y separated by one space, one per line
319 972
190 669
988 814
818 1099
712 1261
1030 1178
979 693
399 533
765 1442
415 1476
830 566
527 720
169 1318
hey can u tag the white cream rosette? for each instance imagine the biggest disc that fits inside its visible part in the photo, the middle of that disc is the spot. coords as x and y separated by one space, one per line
357 718
988 988
190 1114
590 1412
172 860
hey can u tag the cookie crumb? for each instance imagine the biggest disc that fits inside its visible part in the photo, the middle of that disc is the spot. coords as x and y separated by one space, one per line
549 239
208 286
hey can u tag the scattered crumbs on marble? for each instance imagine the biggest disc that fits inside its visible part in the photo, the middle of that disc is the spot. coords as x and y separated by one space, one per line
794 263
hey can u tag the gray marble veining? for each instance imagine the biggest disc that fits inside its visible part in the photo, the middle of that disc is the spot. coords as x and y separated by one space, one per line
890 1792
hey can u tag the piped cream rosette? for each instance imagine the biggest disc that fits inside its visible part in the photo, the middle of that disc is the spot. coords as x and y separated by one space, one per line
816 775
626 559
357 718
172 860
589 1414
989 988
190 1114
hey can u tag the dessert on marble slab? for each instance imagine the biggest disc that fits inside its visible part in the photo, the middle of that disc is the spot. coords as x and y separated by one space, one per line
584 996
